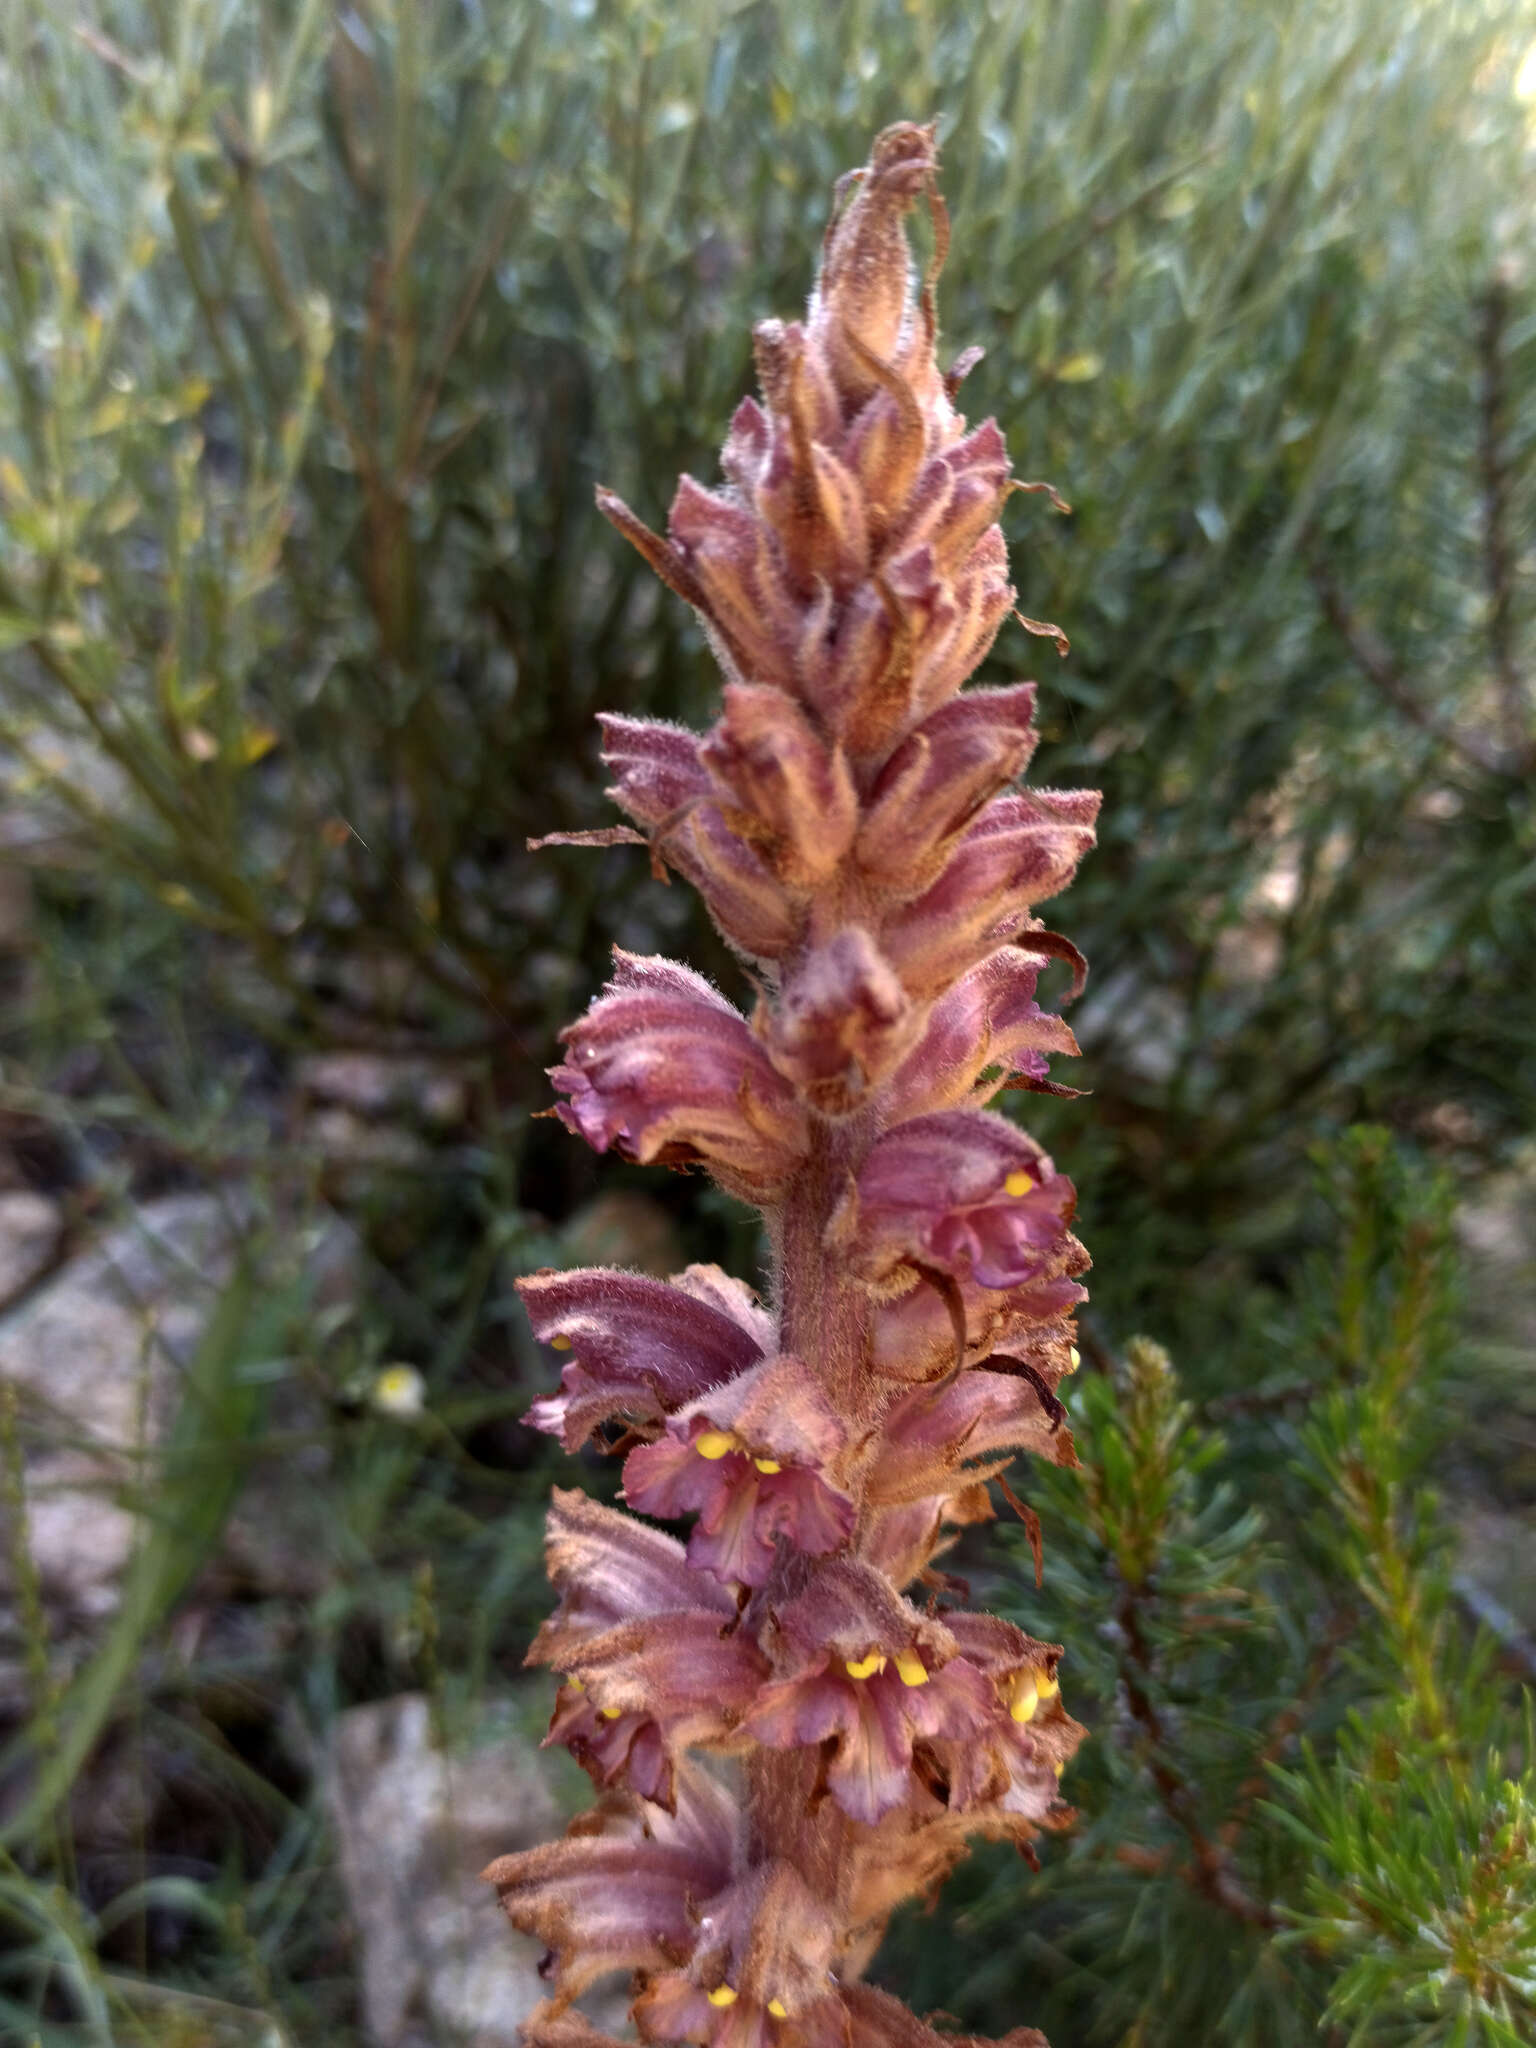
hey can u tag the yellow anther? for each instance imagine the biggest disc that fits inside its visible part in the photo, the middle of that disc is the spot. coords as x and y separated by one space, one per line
1018 1184
575 1684
1045 1685
777 2009
1059 1768
610 1713
559 1343
1076 1357
864 1667
911 1669
768 1465
1026 1697
721 1995
715 1443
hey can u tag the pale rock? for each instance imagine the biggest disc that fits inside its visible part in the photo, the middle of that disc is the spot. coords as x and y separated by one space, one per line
30 1228
415 1827
96 1353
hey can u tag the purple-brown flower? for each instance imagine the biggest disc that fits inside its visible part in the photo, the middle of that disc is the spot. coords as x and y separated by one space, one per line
652 1660
638 1348
755 1461
960 1191
663 1068
868 1676
855 822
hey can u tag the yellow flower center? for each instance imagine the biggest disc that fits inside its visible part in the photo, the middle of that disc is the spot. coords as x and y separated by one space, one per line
864 1667
911 1669
721 1995
575 1684
559 1343
1076 1357
1018 1183
716 1443
777 2009
768 1465
1046 1686
399 1390
610 1713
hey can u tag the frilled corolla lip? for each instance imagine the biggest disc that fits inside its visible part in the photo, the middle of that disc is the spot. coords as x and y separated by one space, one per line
764 1954
750 1461
960 1192
1016 1766
777 1410
1009 1779
873 1716
638 1348
613 1748
673 2007
620 1891
663 1067
987 1024
869 1673
913 1337
689 1673
929 1438
640 1631
609 1568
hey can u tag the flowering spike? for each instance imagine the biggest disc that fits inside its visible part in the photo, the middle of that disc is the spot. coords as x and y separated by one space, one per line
855 824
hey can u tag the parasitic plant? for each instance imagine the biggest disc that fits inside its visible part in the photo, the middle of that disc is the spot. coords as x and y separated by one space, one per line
855 826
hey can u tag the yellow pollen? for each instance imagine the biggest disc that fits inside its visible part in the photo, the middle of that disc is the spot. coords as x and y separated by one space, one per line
864 1667
559 1343
715 1443
575 1684
610 1713
1026 1697
1059 1768
777 2009
1076 1357
721 1995
1018 1184
911 1669
1045 1685
768 1465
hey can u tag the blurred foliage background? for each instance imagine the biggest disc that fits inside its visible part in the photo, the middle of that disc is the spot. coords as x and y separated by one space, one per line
318 324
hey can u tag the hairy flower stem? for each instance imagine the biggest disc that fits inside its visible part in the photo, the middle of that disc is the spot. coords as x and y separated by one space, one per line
823 1318
823 1312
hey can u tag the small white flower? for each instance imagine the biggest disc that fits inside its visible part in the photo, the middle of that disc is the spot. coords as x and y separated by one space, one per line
399 1390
